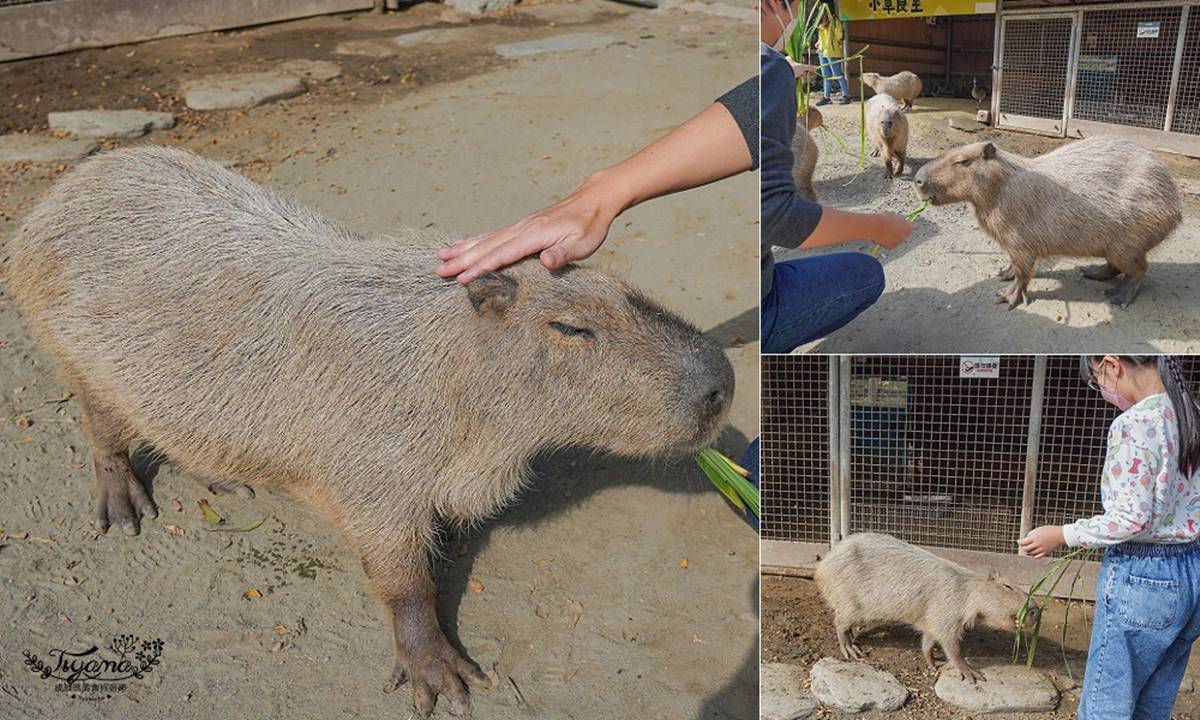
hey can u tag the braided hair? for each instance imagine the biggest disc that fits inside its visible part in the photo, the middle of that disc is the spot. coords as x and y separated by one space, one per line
1179 390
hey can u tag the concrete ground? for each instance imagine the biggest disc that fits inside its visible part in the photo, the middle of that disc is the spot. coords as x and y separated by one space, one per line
941 284
616 588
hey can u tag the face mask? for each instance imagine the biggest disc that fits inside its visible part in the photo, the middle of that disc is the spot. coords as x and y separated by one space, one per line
1111 395
788 27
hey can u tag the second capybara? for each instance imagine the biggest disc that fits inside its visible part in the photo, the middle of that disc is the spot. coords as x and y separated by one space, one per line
1102 197
887 132
905 86
250 340
805 153
871 579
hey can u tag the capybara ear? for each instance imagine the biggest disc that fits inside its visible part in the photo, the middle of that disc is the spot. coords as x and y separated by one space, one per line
492 293
989 151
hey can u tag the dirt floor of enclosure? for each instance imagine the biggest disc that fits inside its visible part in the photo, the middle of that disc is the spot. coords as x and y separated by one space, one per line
797 628
615 588
941 285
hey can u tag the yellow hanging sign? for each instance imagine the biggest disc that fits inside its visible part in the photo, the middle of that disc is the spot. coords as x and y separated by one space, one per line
886 9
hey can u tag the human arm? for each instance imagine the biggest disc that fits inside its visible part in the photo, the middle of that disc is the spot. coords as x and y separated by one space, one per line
710 146
1129 486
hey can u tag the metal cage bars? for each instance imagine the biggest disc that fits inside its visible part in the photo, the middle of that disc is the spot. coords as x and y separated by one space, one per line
1136 65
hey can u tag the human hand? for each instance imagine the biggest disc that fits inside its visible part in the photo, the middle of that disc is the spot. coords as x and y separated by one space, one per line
890 229
1042 541
801 69
567 231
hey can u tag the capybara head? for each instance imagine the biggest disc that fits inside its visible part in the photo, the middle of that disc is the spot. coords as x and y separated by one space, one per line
997 603
961 174
870 79
887 116
606 366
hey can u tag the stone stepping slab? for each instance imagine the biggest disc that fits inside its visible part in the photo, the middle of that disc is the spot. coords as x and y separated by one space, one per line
110 123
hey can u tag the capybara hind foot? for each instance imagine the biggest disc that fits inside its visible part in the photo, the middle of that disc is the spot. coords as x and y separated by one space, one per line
850 651
1123 294
225 487
436 671
1101 272
1008 273
1014 295
120 497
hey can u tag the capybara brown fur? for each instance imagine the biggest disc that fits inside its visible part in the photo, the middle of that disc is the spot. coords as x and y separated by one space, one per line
871 579
905 86
887 132
1102 197
250 340
805 154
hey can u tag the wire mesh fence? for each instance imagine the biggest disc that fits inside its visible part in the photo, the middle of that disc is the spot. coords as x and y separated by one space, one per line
935 458
1125 63
795 448
1036 55
1115 65
1187 98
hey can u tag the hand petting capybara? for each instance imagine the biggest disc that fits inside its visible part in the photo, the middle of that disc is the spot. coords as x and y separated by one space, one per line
250 340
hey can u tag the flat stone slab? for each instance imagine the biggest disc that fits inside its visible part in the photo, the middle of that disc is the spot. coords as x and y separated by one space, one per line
311 69
855 687
110 123
720 9
226 92
433 35
366 48
571 42
781 693
38 148
1008 689
478 7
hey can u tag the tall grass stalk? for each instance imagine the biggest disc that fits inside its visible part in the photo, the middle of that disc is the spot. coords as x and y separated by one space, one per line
1057 570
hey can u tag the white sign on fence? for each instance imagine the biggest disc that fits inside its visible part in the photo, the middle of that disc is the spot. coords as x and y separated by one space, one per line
1148 29
979 366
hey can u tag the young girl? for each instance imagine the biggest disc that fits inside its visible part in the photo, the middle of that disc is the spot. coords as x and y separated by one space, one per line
1148 592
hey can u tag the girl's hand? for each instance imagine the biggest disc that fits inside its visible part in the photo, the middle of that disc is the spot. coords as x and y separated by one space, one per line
1042 541
567 231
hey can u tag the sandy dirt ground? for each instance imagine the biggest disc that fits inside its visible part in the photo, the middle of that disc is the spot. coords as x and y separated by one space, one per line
797 628
941 284
615 588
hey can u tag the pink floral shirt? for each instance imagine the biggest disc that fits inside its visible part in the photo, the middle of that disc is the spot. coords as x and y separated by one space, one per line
1146 498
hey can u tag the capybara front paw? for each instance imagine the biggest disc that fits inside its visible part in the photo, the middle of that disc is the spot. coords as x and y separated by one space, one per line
442 673
970 674
1122 295
120 498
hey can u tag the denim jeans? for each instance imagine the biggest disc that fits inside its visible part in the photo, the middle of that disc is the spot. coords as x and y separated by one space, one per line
750 462
1146 621
813 296
835 72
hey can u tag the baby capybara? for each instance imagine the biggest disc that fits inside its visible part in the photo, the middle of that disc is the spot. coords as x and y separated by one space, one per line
887 131
1101 197
871 579
253 341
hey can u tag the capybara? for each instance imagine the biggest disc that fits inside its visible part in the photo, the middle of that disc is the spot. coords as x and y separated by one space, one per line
250 340
870 579
1101 197
805 153
887 132
905 86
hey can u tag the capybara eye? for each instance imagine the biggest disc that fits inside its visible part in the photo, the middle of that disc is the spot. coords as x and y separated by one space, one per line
964 163
572 331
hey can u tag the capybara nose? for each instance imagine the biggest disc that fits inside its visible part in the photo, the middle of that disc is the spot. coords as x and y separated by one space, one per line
712 375
919 178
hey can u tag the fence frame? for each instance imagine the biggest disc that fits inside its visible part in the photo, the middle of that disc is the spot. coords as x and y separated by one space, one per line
1016 567
1070 126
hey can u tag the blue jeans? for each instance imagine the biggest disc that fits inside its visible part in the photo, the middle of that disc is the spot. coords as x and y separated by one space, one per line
1146 621
813 296
750 462
837 72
